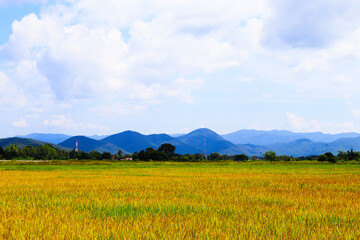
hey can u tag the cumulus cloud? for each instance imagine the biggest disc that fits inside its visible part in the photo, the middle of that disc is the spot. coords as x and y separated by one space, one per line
59 121
245 79
343 79
309 24
301 124
20 124
181 88
127 56
143 96
266 95
296 122
81 59
67 124
19 2
355 112
11 96
150 43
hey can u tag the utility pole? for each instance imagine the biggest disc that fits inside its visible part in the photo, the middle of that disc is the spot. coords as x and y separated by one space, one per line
204 146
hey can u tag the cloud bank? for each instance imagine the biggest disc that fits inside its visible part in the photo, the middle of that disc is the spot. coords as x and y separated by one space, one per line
134 55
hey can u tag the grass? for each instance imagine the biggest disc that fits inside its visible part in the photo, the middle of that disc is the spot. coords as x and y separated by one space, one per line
136 200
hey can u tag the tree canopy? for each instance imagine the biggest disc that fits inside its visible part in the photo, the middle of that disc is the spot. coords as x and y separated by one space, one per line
168 149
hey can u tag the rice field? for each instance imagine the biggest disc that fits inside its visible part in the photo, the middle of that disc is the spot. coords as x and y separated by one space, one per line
255 200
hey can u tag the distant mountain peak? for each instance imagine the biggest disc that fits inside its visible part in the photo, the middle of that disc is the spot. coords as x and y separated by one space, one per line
203 131
302 140
47 137
281 136
22 142
250 142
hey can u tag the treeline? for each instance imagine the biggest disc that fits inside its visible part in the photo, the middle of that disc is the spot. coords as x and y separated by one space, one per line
48 152
166 152
342 156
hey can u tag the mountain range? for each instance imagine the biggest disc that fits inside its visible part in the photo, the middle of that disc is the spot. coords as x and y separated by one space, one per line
22 142
250 142
259 137
56 138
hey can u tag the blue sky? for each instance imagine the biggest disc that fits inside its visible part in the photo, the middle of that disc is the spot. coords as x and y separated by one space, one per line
81 67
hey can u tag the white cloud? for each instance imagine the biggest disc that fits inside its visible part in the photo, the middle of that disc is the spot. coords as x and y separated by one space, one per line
266 95
181 89
11 97
126 56
59 121
355 112
297 123
18 2
67 124
80 59
147 43
310 24
20 124
342 79
245 79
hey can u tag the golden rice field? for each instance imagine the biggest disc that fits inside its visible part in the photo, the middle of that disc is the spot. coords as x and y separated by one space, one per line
179 201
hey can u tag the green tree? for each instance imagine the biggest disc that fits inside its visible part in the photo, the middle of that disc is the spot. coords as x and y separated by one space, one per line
190 158
95 155
158 156
168 149
342 156
331 158
199 156
322 158
135 156
241 157
30 152
106 156
352 155
83 155
214 156
226 157
22 154
11 152
270 156
73 154
327 157
120 154
2 152
152 154
143 156
46 152
183 159
284 158
63 155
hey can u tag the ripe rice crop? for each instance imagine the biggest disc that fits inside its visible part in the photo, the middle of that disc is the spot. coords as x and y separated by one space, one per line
179 201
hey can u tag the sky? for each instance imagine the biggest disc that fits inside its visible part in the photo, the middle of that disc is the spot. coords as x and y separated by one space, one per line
84 67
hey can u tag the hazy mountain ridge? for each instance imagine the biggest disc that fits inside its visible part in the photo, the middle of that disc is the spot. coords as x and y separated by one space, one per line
128 142
193 142
22 142
214 142
298 148
56 138
259 137
87 144
47 137
134 142
344 144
